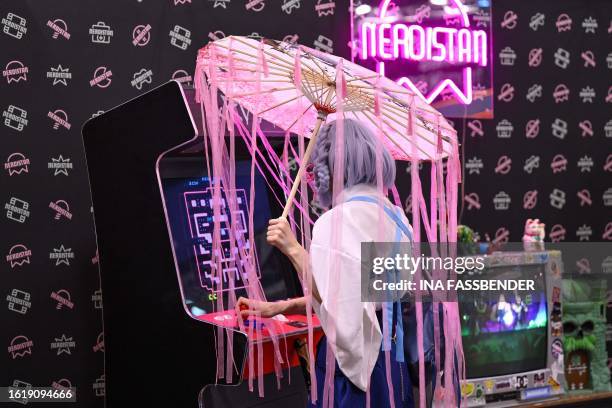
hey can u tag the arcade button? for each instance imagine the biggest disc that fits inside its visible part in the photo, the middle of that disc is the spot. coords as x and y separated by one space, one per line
257 324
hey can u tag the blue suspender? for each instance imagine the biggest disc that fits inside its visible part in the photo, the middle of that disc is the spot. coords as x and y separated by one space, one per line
394 216
393 309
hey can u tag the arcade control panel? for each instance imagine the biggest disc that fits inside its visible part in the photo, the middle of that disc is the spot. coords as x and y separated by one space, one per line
263 329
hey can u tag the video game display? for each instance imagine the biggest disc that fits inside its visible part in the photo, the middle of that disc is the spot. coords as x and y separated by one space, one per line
190 201
200 213
505 332
188 191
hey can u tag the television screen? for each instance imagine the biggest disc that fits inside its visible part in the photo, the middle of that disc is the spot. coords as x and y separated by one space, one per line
196 202
505 332
188 198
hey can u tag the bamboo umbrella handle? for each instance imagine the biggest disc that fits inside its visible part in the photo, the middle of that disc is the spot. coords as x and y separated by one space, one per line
305 159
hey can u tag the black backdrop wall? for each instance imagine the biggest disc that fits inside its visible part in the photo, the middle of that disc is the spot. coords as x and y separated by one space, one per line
65 61
548 152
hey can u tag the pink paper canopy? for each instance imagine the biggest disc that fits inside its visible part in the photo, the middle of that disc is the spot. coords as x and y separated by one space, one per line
288 85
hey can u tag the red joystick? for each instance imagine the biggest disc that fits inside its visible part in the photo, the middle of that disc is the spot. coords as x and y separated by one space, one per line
244 307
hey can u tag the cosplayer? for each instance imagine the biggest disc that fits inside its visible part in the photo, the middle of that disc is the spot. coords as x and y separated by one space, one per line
360 363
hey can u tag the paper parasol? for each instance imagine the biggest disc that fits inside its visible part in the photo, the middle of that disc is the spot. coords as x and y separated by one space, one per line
295 88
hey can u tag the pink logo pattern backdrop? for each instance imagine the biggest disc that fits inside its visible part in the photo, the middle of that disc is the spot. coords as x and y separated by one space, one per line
61 65
547 153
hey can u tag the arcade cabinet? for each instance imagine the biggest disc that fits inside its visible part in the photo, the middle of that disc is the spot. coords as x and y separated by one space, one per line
152 207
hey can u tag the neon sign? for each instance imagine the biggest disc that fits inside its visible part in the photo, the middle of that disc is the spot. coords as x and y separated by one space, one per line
389 39
417 43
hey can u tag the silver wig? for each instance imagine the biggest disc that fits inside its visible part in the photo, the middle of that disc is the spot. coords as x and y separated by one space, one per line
359 159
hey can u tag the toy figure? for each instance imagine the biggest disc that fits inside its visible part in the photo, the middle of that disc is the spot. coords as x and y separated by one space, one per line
533 239
556 329
584 327
466 240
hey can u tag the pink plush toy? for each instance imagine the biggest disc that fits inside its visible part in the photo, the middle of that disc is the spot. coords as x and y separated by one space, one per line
533 239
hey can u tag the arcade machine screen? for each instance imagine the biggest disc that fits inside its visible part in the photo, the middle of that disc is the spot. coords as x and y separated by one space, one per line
188 195
505 332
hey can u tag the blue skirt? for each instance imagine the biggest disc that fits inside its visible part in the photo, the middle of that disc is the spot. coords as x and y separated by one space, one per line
347 395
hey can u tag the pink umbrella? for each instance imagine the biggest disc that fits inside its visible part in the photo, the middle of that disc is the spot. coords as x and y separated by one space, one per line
298 89
295 88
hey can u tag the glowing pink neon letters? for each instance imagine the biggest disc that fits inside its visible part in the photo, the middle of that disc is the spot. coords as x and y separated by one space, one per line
417 43
412 42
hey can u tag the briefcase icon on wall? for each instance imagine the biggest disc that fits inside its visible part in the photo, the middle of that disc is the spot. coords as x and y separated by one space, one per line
15 117
14 26
100 33
180 37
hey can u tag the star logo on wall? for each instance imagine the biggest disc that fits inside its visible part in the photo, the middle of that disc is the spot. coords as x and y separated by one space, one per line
220 3
62 165
62 255
63 344
62 75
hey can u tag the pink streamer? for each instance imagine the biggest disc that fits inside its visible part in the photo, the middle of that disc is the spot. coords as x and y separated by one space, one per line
379 170
212 120
224 171
306 238
285 187
396 198
416 228
336 239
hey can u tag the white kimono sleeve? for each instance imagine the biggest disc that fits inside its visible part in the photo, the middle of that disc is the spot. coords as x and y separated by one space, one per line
358 335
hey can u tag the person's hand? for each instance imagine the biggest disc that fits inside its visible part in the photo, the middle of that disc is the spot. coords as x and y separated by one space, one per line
281 236
247 307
